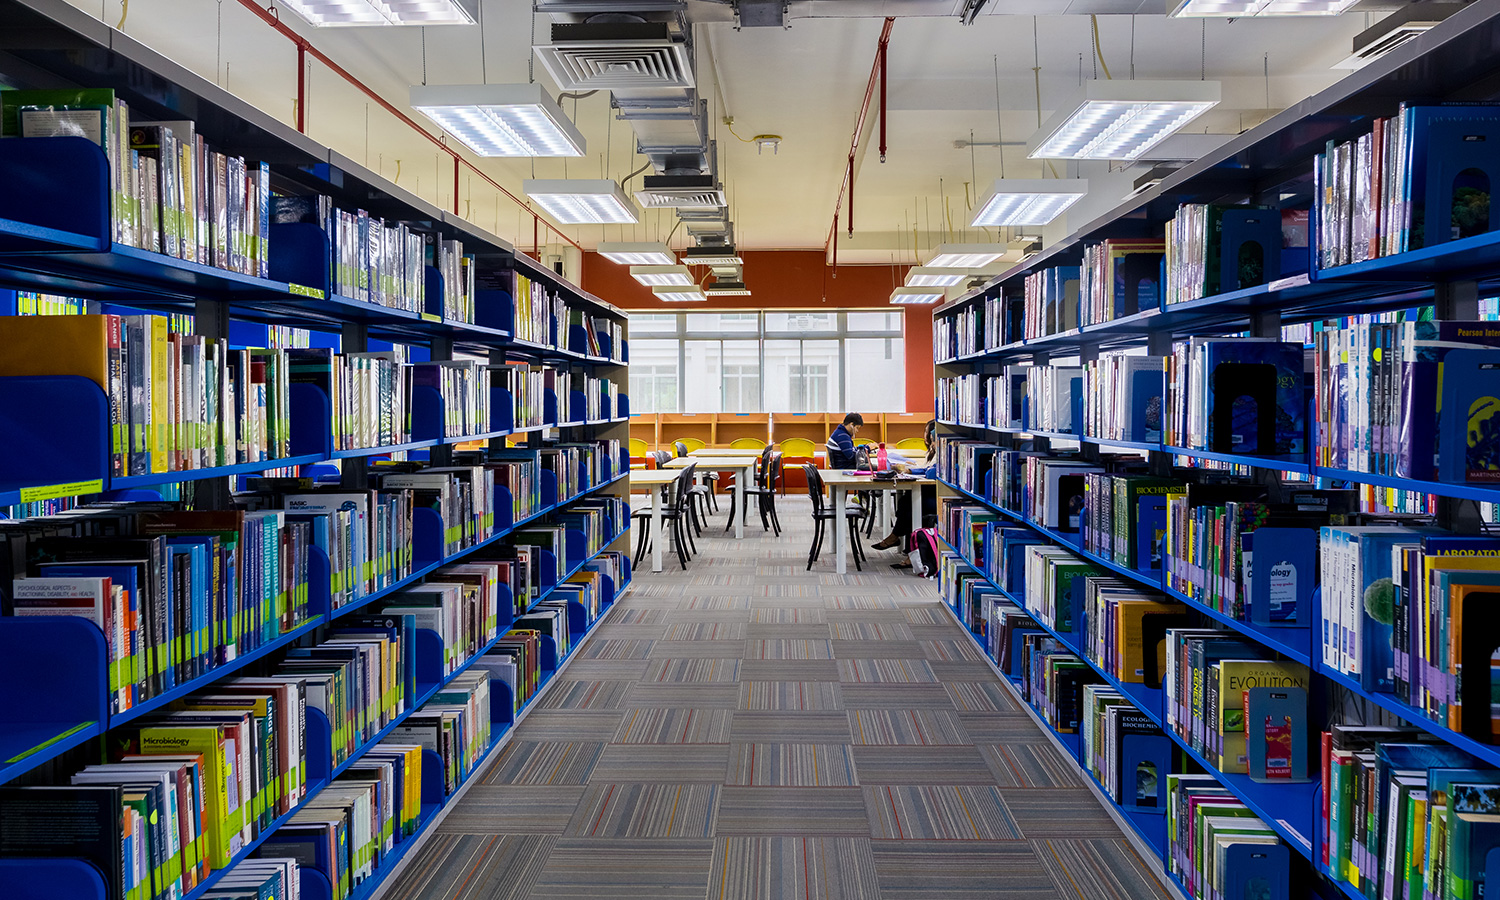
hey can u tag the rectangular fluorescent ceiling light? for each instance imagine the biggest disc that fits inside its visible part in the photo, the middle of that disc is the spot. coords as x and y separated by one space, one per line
500 119
642 253
965 256
917 295
581 201
679 294
353 13
652 276
931 276
711 256
1235 9
728 289
1028 201
1121 119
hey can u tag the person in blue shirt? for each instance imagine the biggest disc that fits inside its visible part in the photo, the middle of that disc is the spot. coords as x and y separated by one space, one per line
840 444
903 525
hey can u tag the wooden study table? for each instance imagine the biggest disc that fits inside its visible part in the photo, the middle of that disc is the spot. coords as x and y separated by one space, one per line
839 485
743 466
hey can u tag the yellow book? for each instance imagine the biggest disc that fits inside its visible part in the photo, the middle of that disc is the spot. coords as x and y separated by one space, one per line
161 430
1236 676
220 821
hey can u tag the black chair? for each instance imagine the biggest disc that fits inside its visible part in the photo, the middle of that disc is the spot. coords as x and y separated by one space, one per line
763 490
710 481
823 514
678 498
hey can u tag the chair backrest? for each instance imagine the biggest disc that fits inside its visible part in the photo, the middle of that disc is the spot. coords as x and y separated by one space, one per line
661 457
680 447
912 444
639 448
814 486
865 442
763 469
747 444
798 448
681 488
774 477
687 445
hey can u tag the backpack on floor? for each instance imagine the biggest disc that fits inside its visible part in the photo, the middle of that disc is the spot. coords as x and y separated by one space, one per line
924 553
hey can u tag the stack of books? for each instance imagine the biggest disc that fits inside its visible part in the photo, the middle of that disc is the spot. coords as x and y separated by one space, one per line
1120 277
1216 847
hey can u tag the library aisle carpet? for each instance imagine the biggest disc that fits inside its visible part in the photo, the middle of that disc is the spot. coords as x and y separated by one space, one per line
748 729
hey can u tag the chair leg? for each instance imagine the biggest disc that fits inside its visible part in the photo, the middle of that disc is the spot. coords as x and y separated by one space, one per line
692 544
812 554
729 525
775 519
678 530
854 539
643 541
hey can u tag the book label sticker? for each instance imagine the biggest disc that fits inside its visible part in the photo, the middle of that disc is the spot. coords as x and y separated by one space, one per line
49 742
430 317
54 491
304 291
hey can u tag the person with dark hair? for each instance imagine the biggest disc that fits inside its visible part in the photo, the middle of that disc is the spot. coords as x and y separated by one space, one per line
840 444
902 527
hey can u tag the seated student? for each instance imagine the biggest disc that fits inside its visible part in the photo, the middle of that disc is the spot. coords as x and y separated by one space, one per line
902 526
841 443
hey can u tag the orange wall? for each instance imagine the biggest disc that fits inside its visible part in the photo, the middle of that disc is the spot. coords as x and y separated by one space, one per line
793 279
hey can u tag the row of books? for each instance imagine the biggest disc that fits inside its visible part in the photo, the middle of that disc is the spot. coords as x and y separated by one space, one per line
958 334
601 333
1213 249
1393 190
1406 398
541 313
581 465
176 401
528 386
31 303
1237 395
1123 398
369 261
464 386
1405 815
169 193
1051 304
1119 277
1217 847
960 398
1125 752
370 393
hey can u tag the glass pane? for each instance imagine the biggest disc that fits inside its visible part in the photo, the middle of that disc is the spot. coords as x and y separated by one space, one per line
781 356
702 390
874 321
741 376
651 323
815 386
653 376
717 323
875 380
801 322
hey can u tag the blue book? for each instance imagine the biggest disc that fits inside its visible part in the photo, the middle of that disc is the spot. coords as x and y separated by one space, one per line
133 663
198 645
1150 528
1469 420
1453 166
1255 398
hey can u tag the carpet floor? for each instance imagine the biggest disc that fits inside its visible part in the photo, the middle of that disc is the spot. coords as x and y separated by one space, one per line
749 729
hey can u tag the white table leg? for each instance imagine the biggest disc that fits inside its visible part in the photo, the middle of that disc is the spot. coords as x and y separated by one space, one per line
658 538
739 502
840 530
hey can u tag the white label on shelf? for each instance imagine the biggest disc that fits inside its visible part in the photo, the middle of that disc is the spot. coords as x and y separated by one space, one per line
1282 284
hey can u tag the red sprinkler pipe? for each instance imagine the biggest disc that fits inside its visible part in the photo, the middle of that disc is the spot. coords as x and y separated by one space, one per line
883 48
301 87
271 19
847 185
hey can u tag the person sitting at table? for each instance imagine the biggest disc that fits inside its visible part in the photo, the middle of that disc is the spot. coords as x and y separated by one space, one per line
840 444
902 526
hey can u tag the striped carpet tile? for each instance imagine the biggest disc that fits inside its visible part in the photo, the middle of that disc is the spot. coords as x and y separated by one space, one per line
808 765
585 695
599 869
474 867
939 813
786 590
639 616
639 592
706 631
1000 728
888 764
675 726
886 670
802 695
921 615
789 670
716 604
513 809
646 811
804 868
854 578
812 632
961 670
706 579
792 811
675 763
615 649
604 670
1059 813
790 727
906 726
545 762
730 649
780 615
788 649
570 725
1097 870
912 589
1030 765
683 671
981 696
953 650
698 696
870 631
878 650
861 603
999 870
884 696
776 570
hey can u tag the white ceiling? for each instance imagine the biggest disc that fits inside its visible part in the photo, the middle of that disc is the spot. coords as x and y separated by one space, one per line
804 83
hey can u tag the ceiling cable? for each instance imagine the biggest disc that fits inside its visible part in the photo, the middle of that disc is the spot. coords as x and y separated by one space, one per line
484 60
424 54
999 126
1132 48
1203 50
1099 51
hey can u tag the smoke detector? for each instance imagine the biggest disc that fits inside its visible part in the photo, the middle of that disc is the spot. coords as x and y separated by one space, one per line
765 142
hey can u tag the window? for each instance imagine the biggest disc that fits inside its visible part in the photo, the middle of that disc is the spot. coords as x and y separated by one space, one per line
784 361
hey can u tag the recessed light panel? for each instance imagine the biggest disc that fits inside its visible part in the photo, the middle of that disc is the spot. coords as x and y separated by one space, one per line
500 119
913 296
654 276
929 276
679 294
358 13
1017 201
1121 119
581 201
628 253
965 256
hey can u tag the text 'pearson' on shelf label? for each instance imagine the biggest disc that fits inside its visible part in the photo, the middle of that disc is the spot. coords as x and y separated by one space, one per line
53 491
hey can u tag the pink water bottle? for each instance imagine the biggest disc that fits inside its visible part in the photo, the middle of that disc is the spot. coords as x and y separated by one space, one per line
882 464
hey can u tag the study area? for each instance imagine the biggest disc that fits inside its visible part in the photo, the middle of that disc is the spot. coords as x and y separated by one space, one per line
589 449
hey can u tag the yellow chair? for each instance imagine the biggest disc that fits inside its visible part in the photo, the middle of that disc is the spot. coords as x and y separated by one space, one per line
747 444
796 451
798 448
865 442
912 444
639 448
690 443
